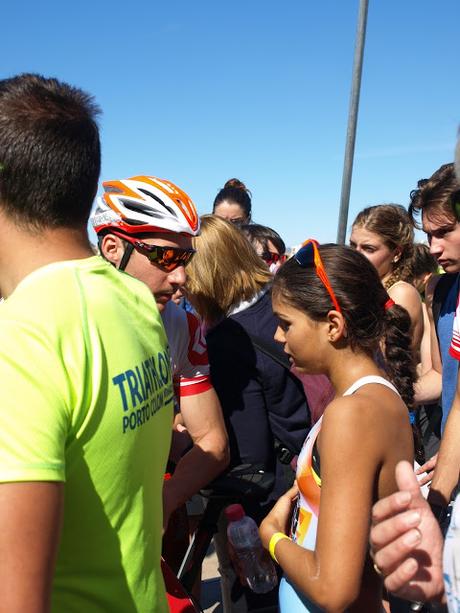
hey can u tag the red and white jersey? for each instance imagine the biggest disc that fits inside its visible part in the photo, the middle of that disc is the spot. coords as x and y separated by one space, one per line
454 348
189 354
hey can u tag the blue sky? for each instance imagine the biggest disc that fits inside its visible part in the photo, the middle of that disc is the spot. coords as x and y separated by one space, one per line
198 92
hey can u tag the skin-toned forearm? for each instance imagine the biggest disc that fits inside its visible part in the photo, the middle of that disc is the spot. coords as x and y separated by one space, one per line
428 387
303 569
447 469
30 516
323 583
209 456
198 467
330 575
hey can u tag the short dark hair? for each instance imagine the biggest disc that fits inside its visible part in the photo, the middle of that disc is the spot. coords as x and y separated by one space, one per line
422 261
440 192
257 233
49 152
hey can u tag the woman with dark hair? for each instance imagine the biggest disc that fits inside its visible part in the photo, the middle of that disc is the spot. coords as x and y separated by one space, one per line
385 235
335 314
233 203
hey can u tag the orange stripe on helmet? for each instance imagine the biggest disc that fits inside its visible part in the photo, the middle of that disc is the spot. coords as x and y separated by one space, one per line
186 206
119 189
184 203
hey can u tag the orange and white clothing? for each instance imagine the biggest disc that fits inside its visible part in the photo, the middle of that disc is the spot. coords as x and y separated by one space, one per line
306 512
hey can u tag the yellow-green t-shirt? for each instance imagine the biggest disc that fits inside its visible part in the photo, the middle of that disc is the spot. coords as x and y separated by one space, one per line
87 399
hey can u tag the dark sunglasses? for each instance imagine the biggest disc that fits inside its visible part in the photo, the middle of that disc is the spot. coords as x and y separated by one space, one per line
270 257
168 258
307 255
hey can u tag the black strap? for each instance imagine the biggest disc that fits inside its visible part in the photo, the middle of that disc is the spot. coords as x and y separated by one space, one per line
272 349
434 422
285 455
315 459
126 255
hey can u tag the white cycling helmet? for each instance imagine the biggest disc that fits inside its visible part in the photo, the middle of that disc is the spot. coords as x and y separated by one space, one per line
145 204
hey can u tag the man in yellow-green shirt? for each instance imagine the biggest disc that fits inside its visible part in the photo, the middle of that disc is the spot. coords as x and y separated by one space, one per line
86 412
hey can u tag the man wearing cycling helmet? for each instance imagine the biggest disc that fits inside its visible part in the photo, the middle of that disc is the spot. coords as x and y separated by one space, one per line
145 227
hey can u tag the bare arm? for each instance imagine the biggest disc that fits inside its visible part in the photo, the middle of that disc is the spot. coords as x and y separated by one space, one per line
428 387
331 575
446 473
209 456
425 346
30 516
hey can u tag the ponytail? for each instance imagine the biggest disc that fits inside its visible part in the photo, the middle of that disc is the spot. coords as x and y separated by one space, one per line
400 364
399 358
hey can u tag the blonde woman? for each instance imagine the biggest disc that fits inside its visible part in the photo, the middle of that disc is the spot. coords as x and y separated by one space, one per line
264 405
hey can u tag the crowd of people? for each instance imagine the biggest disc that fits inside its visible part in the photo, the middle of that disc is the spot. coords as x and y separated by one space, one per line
137 372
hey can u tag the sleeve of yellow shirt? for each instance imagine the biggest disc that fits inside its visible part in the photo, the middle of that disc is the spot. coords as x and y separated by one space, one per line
34 419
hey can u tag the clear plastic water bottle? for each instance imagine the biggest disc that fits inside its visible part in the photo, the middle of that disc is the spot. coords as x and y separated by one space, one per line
253 562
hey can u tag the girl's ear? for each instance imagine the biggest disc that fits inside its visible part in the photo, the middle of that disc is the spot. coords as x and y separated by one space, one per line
397 255
336 326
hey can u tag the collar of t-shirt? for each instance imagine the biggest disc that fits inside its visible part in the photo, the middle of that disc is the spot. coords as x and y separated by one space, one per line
245 304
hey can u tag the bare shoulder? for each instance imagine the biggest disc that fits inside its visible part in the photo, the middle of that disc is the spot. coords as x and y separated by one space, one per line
404 293
373 409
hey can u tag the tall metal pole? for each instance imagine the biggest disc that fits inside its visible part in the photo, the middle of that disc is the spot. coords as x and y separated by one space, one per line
352 120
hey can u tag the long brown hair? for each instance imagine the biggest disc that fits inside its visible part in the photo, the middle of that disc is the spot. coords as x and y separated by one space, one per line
392 224
362 299
225 270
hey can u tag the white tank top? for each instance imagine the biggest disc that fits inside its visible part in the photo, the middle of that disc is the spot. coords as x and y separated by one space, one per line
369 379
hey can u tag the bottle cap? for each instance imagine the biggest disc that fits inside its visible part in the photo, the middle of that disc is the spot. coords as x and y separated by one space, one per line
234 512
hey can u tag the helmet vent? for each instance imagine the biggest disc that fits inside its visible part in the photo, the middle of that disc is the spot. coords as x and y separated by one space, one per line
142 208
150 195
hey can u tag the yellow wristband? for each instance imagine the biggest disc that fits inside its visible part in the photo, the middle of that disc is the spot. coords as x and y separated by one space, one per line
278 536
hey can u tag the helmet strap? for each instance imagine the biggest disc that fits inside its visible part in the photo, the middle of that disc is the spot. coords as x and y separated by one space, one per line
127 254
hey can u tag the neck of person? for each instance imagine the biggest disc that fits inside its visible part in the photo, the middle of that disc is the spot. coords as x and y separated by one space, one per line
359 364
24 250
386 277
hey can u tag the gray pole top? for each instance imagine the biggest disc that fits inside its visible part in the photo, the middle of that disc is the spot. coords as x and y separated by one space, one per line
352 121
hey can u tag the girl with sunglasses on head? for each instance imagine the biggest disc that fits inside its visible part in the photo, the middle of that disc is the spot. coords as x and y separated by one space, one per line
271 248
334 315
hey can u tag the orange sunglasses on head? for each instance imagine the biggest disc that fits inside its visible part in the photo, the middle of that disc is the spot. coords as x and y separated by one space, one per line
309 254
